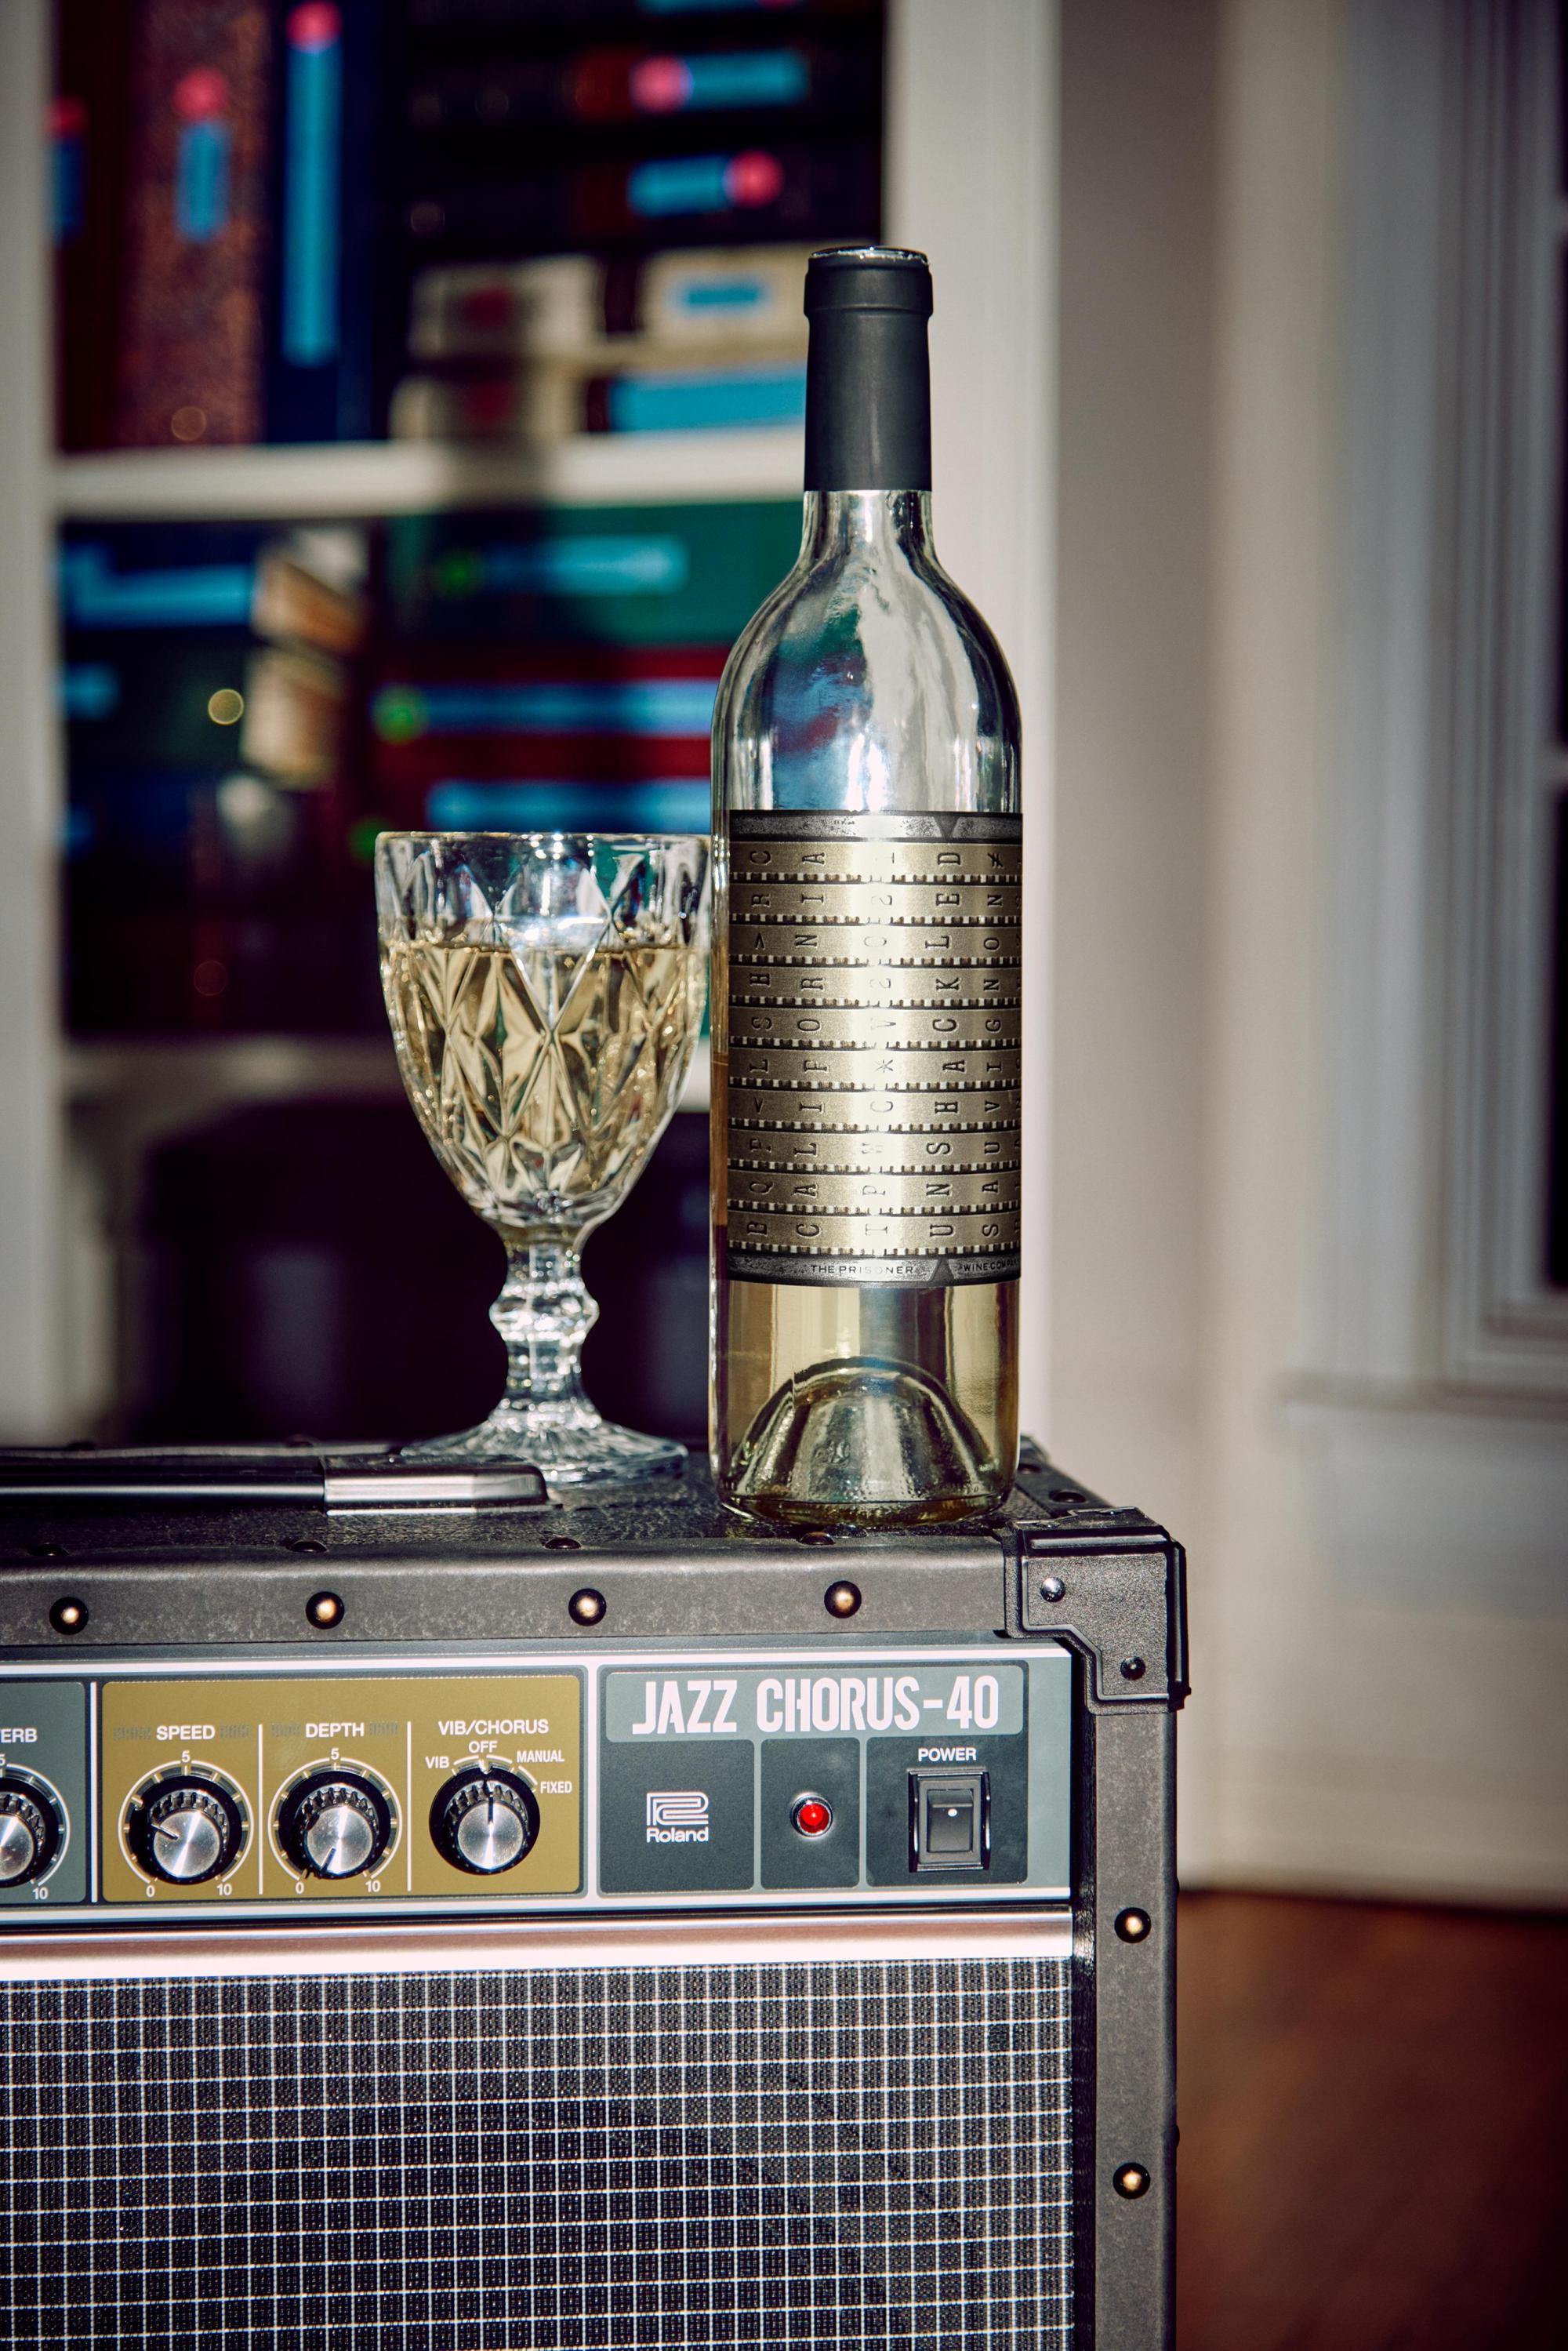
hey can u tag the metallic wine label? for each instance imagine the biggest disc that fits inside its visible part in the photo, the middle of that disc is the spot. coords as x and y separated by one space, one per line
874 1047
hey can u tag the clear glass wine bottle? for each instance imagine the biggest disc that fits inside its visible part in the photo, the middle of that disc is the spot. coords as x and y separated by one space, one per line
867 965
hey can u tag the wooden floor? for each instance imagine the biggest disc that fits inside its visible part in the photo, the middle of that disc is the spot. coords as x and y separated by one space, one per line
1373 2106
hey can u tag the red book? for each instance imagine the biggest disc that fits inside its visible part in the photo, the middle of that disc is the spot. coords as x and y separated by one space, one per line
192 361
86 131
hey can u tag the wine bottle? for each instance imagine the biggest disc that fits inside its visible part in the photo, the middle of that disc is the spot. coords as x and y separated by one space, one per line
867 841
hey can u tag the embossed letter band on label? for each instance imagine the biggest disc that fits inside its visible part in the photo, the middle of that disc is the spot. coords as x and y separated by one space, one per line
874 1047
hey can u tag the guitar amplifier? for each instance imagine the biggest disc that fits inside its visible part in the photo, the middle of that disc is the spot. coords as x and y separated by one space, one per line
436 1919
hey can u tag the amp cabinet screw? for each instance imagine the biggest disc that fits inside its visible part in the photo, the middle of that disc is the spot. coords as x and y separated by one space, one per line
1133 1669
324 1609
1052 1588
587 1606
1131 2181
841 1599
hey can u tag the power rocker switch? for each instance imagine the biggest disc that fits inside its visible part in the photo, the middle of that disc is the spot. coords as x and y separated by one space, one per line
950 1820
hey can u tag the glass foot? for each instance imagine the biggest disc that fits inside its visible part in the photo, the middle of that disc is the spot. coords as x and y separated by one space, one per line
571 1446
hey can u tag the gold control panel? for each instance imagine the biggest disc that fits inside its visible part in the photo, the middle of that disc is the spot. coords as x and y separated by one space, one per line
393 1786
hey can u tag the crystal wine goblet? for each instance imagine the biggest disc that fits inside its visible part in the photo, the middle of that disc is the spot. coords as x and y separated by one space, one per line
545 992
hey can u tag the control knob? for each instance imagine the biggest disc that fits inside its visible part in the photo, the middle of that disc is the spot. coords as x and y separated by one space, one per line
31 1829
484 1820
186 1826
335 1823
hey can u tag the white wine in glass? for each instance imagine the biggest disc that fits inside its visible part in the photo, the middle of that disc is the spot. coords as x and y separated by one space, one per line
545 992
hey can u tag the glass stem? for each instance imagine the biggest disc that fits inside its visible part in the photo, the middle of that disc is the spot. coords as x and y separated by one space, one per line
544 1313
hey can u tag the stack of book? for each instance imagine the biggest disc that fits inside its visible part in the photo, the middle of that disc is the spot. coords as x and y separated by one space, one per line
539 351
279 220
210 685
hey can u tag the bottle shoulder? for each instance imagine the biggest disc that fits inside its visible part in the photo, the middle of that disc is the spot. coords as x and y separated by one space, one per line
868 683
985 654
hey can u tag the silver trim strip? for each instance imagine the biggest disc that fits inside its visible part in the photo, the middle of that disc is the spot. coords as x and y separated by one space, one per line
403 1490
392 1950
91 1797
393 1908
388 1488
593 1714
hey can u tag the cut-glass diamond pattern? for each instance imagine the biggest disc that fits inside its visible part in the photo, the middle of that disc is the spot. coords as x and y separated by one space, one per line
543 1028
545 994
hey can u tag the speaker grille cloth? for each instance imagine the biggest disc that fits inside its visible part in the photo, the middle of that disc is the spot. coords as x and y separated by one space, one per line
849 2153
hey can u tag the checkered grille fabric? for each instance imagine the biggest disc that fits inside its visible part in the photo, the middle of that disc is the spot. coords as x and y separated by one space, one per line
854 2153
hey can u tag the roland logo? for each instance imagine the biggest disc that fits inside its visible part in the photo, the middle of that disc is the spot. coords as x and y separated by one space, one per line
677 1816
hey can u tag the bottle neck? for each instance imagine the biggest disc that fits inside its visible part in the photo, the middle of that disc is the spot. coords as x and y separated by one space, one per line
880 524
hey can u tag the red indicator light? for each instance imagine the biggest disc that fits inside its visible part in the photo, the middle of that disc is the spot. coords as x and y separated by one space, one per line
811 1816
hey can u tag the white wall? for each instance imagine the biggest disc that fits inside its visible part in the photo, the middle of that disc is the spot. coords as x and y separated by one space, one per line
1135 495
971 181
1409 1738
1357 1739
31 1147
1135 492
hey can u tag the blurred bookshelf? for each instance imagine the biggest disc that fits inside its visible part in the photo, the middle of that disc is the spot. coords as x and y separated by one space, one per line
510 462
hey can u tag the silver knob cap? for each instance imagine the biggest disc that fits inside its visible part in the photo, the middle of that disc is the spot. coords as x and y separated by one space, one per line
24 1837
337 1826
187 1835
491 1835
484 1821
183 1827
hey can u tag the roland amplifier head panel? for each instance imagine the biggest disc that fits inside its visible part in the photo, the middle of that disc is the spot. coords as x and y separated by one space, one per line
718 1778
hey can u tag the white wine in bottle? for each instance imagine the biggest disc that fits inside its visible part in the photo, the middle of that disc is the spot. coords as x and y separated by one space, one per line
867 842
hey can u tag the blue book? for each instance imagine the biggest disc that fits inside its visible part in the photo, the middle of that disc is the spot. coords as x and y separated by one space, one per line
562 806
331 320
686 575
698 399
